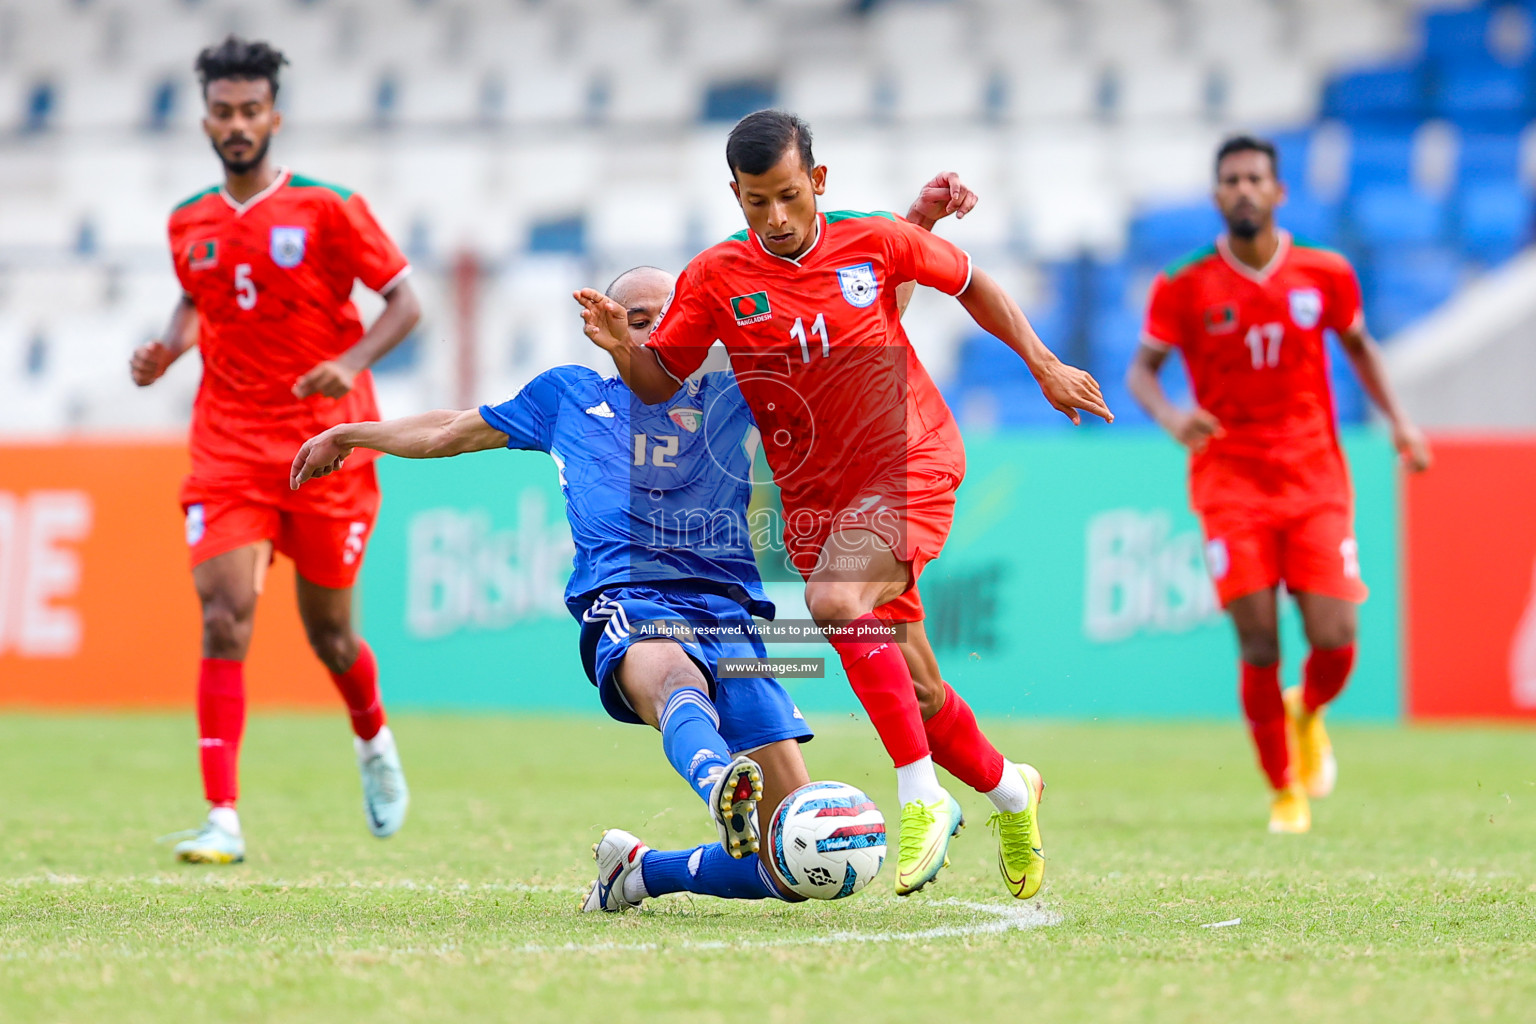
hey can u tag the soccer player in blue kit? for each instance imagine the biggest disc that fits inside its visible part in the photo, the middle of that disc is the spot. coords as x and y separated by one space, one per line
665 582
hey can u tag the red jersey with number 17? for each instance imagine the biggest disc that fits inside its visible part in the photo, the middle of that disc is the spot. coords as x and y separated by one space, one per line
272 282
1254 344
819 351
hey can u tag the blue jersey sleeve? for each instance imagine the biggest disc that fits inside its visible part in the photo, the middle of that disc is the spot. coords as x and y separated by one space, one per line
528 417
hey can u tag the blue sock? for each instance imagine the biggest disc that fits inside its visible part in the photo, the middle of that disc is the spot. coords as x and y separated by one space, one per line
690 734
707 870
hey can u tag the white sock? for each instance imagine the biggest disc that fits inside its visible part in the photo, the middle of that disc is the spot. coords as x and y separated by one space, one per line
1012 793
226 819
634 884
382 741
916 781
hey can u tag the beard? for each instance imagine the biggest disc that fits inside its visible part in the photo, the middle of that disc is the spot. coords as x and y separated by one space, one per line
1245 224
247 165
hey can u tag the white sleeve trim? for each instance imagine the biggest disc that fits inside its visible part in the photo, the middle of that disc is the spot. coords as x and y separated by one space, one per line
663 363
970 269
389 285
1157 344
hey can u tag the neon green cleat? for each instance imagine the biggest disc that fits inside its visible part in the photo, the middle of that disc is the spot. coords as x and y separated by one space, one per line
1020 850
926 829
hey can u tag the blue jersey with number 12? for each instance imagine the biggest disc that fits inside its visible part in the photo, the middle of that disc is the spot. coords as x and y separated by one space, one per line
652 493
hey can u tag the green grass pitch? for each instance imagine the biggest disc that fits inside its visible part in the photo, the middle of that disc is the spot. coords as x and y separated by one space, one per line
1414 898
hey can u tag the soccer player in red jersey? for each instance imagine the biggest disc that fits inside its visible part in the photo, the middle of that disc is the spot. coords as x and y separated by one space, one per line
865 453
267 264
1267 475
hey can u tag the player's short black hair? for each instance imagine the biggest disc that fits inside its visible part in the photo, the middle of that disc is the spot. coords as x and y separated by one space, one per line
1248 144
760 139
242 59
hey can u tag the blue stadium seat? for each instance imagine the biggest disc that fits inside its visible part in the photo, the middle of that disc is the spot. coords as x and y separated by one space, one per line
729 102
1389 95
1494 219
1487 157
1403 283
1397 215
566 234
1380 155
1165 233
1483 96
1306 215
1457 36
1113 337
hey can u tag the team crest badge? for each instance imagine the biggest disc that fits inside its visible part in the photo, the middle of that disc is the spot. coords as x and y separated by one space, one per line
203 255
1306 307
287 247
751 309
687 419
859 285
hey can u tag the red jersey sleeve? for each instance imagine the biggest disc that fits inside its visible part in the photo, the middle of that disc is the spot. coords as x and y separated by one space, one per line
686 328
376 260
1164 327
924 257
1344 308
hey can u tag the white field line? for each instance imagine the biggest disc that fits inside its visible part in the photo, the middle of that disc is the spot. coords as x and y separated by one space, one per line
996 920
986 918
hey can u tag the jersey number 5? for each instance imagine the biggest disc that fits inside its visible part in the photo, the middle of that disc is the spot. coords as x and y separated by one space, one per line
245 288
1263 342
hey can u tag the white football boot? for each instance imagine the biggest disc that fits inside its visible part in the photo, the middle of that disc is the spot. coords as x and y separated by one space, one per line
618 854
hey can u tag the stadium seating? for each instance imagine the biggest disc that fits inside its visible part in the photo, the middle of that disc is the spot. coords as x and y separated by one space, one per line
584 135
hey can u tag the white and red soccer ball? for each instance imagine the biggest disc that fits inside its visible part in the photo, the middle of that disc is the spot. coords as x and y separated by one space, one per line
827 840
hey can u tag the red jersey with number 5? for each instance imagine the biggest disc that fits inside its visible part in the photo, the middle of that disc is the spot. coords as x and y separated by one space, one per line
1254 344
272 282
819 351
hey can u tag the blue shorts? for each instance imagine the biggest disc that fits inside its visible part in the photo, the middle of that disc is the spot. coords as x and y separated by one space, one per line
753 712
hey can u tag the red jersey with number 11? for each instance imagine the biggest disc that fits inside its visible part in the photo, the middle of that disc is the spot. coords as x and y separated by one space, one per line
272 282
1254 344
819 351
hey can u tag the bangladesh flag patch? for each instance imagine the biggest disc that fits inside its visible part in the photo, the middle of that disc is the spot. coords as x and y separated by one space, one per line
203 255
751 309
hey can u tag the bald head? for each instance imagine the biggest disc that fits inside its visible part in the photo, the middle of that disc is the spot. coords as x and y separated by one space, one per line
642 292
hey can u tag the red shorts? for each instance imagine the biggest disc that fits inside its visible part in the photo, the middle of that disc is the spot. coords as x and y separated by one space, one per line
911 509
323 526
1313 552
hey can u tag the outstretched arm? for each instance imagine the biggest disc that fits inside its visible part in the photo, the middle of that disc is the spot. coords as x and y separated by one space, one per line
943 195
1365 356
1192 428
151 359
431 435
1067 388
605 323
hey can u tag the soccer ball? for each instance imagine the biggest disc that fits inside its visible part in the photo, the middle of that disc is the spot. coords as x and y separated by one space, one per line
827 840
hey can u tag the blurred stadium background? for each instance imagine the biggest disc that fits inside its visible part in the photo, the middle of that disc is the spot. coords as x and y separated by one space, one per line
518 149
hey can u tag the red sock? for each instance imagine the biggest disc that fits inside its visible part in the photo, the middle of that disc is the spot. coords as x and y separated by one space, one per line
1266 721
960 748
882 682
359 686
1325 675
220 725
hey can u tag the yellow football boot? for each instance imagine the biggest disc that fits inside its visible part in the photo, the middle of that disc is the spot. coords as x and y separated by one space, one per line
1316 766
1020 850
1289 812
926 829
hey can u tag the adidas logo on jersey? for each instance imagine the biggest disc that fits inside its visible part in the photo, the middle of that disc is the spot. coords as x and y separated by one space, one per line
601 409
